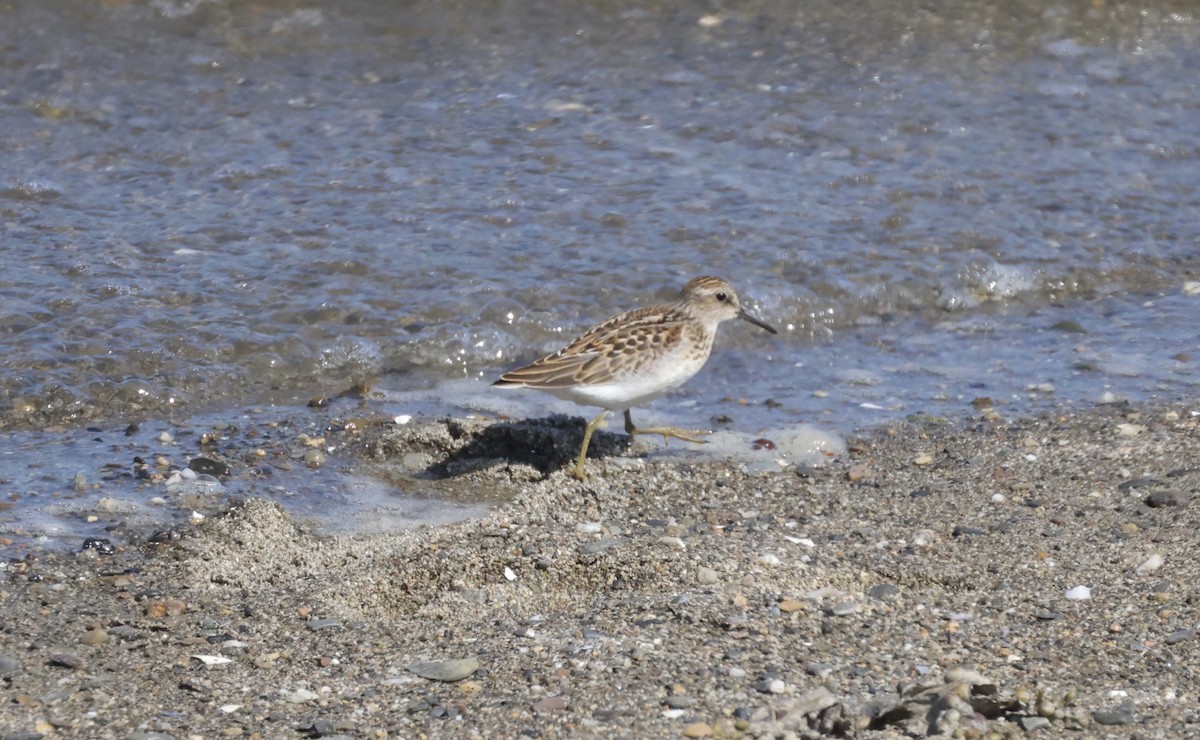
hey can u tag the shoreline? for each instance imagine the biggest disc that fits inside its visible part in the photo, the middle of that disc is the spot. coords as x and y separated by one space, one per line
920 583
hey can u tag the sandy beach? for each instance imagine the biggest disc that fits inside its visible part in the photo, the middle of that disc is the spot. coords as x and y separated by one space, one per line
977 579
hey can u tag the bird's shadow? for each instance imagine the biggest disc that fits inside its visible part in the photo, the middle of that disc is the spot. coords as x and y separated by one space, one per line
547 444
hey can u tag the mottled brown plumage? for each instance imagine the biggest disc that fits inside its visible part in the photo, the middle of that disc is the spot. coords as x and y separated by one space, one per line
637 356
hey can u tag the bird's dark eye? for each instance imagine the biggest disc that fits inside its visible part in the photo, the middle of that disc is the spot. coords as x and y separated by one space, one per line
722 297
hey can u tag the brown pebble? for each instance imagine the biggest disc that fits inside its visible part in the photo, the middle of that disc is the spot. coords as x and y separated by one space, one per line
95 636
697 729
859 471
790 605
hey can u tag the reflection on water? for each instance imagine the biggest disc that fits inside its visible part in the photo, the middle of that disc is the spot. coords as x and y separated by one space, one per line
213 203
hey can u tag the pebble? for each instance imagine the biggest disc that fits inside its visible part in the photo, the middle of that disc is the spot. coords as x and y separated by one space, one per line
1170 497
314 458
550 704
94 636
79 482
858 472
589 527
322 624
968 532
165 438
446 670
1179 636
769 559
923 459
884 591
770 686
1122 715
8 665
707 576
1130 430
1079 593
1150 564
66 660
599 546
300 696
790 605
697 729
1032 724
1191 287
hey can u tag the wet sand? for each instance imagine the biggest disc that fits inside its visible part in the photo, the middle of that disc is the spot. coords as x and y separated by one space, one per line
988 578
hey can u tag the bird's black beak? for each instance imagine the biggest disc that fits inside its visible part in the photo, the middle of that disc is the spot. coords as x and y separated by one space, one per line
743 313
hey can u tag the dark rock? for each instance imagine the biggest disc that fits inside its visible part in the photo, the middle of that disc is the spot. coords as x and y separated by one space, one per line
208 466
99 544
1169 497
968 532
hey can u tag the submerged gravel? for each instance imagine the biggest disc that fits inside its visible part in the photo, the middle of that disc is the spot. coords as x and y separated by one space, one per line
926 583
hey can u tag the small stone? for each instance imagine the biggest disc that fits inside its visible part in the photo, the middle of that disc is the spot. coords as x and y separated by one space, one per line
858 472
923 459
790 605
589 527
1130 430
322 624
1169 497
446 670
1032 724
66 660
1191 287
968 532
1150 564
300 696
813 702
679 702
550 704
95 636
1079 593
770 686
707 576
769 559
314 458
1122 715
598 546
697 729
79 482
208 466
884 591
1179 636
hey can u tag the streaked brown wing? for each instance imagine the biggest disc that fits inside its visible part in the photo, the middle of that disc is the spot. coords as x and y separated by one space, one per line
589 359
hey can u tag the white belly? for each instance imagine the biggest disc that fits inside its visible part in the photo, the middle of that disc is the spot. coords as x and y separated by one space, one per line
634 390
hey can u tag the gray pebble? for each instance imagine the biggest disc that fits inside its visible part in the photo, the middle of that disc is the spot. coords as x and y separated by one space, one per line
679 702
884 591
1181 636
66 660
599 546
1122 715
314 458
1169 497
968 532
8 665
321 624
1033 724
707 576
446 670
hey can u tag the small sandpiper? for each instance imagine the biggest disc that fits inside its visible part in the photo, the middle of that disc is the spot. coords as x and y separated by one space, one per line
636 357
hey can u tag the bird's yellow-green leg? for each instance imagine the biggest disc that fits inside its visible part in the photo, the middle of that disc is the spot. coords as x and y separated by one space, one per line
688 435
587 437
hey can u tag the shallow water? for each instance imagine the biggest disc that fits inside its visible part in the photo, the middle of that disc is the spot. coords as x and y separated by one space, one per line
209 204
